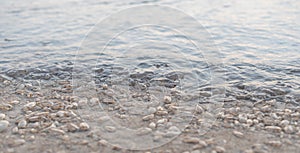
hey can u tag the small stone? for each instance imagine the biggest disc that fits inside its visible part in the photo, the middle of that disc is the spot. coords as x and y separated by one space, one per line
82 103
255 121
273 129
172 131
144 131
110 129
193 140
167 99
242 118
22 124
103 142
108 101
148 117
284 123
33 125
266 109
15 130
161 113
268 121
84 126
72 127
238 134
17 142
104 86
14 102
29 106
151 110
201 145
289 129
220 149
3 125
2 116
161 121
200 110
34 119
249 122
152 125
56 130
31 138
274 143
94 101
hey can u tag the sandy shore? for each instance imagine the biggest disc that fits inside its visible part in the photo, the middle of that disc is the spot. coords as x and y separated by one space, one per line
53 120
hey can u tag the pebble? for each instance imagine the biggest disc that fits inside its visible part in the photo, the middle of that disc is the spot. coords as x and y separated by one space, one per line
266 109
201 145
220 149
2 116
152 125
108 101
284 123
238 134
167 99
110 129
31 138
3 125
199 109
33 125
17 142
249 122
161 121
22 124
274 143
148 117
15 130
151 110
289 129
103 142
84 126
193 140
162 113
29 106
14 102
144 131
56 130
72 127
172 131
273 128
104 86
242 118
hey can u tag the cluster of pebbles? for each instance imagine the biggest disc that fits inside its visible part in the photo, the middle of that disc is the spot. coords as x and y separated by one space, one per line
27 111
262 115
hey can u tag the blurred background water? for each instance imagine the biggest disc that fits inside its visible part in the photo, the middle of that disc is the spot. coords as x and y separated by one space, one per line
259 40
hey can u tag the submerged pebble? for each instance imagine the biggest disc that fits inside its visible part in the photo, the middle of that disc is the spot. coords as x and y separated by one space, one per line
3 125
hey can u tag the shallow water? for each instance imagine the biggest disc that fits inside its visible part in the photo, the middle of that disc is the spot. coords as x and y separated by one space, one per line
258 41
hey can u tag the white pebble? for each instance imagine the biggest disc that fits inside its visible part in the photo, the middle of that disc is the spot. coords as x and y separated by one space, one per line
29 106
167 99
2 116
148 117
152 125
84 126
3 125
22 124
284 123
289 129
238 134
